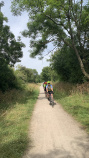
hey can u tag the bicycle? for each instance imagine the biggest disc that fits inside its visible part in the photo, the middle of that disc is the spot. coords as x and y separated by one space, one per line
51 100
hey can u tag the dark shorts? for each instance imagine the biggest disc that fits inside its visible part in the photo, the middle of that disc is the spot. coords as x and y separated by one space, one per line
45 89
50 92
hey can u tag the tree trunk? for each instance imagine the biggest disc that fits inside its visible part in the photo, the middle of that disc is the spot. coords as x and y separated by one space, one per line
81 63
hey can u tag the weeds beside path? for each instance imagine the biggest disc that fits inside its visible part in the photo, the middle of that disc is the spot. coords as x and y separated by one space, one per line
16 108
75 100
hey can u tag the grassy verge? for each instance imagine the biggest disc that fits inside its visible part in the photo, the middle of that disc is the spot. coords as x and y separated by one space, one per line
15 112
75 100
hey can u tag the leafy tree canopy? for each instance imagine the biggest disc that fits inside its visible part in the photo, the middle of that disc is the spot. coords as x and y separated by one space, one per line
60 22
8 79
46 74
10 49
66 65
10 53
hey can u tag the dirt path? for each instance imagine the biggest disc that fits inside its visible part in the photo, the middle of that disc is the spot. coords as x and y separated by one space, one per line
55 134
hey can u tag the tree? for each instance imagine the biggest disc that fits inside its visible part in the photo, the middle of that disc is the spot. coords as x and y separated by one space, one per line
10 49
66 65
38 79
8 79
54 75
1 5
10 53
60 22
46 74
27 74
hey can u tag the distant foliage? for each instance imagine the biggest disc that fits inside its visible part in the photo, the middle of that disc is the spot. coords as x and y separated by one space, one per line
27 75
48 74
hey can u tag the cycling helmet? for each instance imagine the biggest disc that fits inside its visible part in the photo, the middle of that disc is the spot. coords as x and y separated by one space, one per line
48 82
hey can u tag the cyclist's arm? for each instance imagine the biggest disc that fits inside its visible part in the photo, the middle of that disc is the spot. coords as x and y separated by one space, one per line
46 88
51 89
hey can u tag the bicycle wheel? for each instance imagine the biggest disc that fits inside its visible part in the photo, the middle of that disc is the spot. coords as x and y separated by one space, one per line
51 101
49 97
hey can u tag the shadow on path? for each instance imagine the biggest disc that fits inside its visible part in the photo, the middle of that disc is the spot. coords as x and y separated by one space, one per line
80 149
59 153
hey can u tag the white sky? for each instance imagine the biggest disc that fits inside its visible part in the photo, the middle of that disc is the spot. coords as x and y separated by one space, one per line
18 24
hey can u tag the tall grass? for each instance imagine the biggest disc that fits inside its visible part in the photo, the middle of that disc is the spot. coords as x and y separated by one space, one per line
75 100
16 108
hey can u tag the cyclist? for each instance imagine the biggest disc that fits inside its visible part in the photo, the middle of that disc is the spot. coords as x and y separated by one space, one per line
45 83
49 89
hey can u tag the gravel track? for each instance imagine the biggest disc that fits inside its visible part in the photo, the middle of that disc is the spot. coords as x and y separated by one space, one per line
54 133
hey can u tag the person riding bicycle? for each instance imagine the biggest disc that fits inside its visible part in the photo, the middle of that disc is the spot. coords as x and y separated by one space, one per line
49 89
45 83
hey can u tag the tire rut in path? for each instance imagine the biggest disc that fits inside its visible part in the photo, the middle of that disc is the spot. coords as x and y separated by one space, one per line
55 134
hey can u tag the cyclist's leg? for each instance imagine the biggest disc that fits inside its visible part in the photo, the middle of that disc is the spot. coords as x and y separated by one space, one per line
52 95
45 90
48 95
52 101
